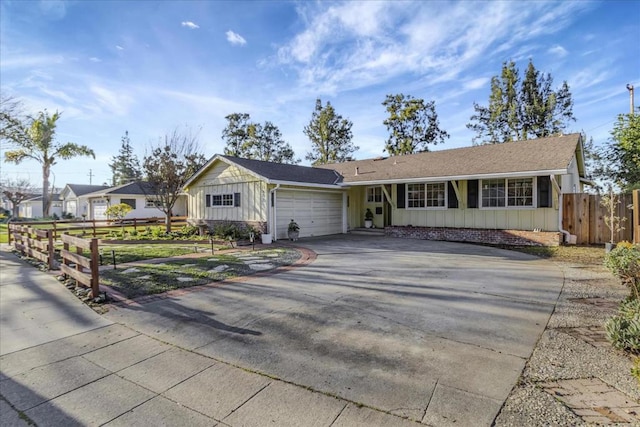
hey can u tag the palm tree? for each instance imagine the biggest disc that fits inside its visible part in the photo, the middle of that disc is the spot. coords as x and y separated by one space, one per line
35 140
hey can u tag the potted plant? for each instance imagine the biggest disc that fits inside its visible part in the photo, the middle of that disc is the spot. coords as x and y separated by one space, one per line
368 219
293 231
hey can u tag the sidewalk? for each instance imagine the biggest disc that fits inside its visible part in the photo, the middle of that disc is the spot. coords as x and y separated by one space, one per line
63 364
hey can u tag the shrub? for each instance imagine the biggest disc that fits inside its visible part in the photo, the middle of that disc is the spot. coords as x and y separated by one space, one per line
623 329
624 262
188 230
228 230
635 370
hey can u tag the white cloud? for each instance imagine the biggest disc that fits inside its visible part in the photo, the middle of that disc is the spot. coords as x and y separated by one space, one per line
356 44
119 47
111 101
190 24
558 50
95 59
235 38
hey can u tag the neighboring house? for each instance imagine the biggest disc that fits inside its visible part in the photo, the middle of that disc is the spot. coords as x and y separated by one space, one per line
135 194
32 208
74 198
469 193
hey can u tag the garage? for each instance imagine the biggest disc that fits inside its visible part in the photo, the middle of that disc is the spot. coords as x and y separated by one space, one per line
99 209
318 213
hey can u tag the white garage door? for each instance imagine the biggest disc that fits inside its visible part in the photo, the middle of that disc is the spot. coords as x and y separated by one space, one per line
317 213
99 209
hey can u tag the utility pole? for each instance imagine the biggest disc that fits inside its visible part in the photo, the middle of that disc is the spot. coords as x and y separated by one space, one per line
630 89
91 175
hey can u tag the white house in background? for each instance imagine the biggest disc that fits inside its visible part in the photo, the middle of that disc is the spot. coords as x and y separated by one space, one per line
74 198
135 194
502 193
32 208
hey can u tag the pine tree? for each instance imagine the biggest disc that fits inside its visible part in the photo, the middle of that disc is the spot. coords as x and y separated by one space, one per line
330 136
520 110
125 167
412 124
250 140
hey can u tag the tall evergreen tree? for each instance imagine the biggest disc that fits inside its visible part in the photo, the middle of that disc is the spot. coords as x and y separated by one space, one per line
620 158
330 136
250 140
412 123
520 110
125 167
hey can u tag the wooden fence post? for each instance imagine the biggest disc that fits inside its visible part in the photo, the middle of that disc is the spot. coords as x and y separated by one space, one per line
50 249
636 216
95 272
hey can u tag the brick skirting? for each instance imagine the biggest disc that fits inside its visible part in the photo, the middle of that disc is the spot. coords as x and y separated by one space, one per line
476 235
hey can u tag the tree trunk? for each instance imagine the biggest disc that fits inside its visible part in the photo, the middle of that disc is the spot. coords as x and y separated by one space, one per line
167 221
16 209
46 168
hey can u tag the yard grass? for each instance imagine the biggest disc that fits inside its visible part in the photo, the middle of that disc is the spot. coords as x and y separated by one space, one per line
145 251
4 233
148 279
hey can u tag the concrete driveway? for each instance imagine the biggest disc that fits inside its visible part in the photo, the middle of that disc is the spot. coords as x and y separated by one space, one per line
437 332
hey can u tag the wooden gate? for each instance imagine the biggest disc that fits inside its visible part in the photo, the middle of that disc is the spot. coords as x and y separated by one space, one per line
583 216
90 279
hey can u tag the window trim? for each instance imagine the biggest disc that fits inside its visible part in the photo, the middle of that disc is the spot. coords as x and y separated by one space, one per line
534 195
366 194
151 203
227 200
428 208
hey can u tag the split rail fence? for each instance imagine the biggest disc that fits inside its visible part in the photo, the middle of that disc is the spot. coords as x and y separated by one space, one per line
33 242
91 262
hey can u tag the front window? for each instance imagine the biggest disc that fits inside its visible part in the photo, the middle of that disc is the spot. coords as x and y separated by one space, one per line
520 192
151 203
130 202
493 194
374 195
415 196
513 192
435 195
430 195
222 200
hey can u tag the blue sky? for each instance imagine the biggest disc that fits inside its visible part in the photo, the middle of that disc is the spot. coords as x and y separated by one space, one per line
149 67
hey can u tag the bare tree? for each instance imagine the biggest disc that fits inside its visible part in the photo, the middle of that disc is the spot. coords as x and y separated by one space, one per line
168 166
16 191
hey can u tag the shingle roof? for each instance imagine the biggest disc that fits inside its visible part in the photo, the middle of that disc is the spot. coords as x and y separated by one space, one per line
54 196
132 188
544 154
82 189
290 173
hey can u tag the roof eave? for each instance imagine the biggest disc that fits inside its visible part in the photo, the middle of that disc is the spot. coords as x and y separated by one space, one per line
305 184
457 177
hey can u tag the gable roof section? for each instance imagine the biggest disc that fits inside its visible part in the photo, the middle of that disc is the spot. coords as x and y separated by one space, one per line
131 189
551 155
276 173
81 189
54 196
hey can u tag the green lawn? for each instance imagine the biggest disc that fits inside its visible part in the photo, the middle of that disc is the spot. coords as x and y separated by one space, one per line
586 255
4 236
147 279
145 251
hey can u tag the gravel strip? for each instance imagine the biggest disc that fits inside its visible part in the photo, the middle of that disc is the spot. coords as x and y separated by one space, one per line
559 355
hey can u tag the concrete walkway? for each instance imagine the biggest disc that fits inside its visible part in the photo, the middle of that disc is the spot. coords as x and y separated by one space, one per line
63 364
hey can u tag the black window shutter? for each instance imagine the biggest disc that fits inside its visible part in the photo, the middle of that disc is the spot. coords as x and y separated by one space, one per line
236 200
451 195
472 193
400 195
544 192
207 200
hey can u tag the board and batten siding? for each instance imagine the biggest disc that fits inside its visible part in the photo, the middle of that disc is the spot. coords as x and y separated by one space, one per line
227 179
545 219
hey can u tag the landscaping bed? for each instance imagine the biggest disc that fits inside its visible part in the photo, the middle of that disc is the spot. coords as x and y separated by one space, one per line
140 279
